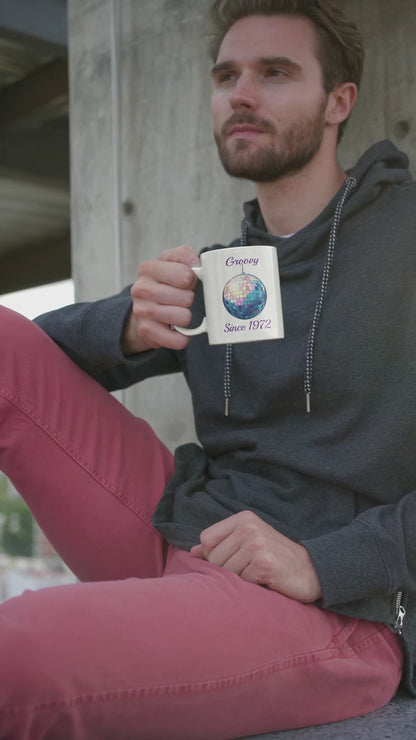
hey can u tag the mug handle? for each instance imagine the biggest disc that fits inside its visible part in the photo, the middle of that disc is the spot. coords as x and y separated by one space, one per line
203 325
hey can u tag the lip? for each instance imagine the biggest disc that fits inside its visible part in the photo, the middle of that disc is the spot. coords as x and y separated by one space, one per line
243 131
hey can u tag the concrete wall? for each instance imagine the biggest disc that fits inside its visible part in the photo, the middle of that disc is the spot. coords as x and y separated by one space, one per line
172 188
386 104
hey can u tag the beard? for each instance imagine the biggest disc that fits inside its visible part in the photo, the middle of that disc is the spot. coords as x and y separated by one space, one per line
270 162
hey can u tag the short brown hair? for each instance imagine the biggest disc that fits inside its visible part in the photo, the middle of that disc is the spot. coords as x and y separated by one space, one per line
340 50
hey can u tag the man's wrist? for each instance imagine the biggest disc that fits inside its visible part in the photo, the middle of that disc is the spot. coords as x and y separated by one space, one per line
130 341
314 586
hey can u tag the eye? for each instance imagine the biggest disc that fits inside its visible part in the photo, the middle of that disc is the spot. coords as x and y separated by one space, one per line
275 72
225 77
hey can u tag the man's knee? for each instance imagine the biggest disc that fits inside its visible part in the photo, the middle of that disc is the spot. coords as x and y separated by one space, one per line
16 331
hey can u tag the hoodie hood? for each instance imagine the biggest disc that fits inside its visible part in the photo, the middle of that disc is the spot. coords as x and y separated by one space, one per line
381 166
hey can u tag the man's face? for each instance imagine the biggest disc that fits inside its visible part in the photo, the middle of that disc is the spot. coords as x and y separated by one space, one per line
269 104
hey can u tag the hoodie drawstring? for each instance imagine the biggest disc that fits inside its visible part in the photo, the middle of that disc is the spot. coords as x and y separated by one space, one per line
229 347
227 376
349 185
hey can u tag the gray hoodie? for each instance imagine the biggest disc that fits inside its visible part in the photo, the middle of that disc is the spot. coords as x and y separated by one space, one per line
341 479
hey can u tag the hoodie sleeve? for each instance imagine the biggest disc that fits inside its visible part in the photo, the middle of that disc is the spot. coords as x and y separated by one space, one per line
373 555
90 334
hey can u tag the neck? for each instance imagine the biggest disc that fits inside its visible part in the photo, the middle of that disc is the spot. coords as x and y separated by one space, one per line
292 202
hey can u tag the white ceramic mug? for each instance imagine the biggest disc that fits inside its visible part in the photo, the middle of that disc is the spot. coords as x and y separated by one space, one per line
242 295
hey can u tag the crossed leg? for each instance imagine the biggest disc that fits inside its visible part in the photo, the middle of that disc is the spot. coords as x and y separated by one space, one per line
161 645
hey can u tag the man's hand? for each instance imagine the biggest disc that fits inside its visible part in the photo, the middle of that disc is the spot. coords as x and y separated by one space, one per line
250 547
162 295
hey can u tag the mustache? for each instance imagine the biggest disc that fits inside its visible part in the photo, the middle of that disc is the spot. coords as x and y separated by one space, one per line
249 118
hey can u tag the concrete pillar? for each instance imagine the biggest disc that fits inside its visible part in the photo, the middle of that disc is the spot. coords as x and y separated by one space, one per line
386 105
172 188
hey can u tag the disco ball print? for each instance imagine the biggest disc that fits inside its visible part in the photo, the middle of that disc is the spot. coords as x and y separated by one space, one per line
244 296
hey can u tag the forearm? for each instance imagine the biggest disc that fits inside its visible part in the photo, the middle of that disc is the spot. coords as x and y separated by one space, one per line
90 332
92 335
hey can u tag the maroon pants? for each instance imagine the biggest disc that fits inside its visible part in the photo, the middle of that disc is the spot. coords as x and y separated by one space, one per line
154 644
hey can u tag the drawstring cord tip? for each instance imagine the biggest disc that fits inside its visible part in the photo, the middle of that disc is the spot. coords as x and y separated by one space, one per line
227 405
308 403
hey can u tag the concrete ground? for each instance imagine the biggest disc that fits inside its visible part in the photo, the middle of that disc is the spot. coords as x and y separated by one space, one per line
396 721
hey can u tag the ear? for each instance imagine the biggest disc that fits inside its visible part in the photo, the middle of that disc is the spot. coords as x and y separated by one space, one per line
341 102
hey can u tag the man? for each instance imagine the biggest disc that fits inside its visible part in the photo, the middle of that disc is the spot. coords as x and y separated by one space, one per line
266 578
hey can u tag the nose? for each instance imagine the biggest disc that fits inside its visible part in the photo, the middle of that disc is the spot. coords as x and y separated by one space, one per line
243 95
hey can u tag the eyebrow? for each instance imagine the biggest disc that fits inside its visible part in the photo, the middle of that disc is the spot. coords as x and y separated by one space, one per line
264 61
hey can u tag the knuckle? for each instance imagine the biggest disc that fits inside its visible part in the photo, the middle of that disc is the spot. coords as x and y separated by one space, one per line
146 333
174 254
167 255
184 251
258 545
249 531
188 298
248 524
152 311
143 292
184 281
206 544
186 316
145 268
204 538
144 289
247 517
140 309
134 290
264 570
181 317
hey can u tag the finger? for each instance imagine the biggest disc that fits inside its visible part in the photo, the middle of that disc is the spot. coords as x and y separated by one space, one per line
148 317
229 555
261 573
155 334
216 533
197 552
184 254
175 274
238 563
146 292
245 523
